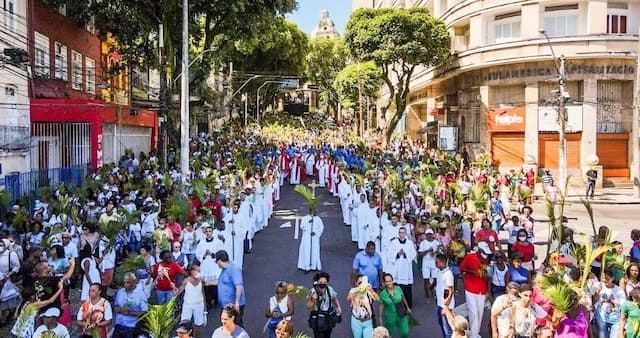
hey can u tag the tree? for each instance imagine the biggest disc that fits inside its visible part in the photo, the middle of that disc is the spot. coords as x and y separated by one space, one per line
397 40
348 82
326 58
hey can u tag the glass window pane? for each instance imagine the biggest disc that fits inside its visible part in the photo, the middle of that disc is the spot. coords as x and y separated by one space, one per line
560 25
572 25
614 24
623 24
516 29
548 26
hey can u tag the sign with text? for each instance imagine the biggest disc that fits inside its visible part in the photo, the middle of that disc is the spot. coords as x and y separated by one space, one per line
288 83
548 118
511 119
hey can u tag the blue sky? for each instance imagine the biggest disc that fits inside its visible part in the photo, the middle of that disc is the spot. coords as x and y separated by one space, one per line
308 14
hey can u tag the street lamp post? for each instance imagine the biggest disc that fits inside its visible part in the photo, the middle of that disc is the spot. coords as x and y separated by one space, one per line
184 98
258 99
562 115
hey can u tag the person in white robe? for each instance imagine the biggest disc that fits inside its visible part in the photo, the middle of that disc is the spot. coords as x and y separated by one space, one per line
323 170
345 201
376 233
401 253
237 226
358 197
309 162
247 211
389 233
367 222
312 228
209 270
296 165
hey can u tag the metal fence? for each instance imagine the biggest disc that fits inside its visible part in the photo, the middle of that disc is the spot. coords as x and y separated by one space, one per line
27 184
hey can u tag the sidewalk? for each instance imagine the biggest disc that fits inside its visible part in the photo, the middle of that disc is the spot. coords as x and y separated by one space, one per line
602 196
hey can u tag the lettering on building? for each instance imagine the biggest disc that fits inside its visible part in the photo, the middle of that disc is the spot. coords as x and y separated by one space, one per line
507 120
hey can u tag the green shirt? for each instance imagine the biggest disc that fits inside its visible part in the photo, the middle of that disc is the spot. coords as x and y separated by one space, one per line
632 312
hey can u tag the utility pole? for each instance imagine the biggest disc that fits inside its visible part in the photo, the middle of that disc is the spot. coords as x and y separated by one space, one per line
163 98
635 124
562 121
184 97
229 90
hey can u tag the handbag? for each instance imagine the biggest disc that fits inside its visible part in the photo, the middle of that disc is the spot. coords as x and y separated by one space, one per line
273 322
401 309
319 321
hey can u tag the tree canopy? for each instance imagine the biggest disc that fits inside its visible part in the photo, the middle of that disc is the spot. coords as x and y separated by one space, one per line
326 58
397 40
367 76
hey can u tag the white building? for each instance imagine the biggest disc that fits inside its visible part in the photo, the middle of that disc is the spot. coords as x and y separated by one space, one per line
14 90
497 87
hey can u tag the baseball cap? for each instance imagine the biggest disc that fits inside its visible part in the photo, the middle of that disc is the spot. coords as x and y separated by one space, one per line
51 312
429 231
184 326
484 247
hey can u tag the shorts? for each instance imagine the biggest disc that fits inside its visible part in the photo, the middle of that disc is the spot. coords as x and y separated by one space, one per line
428 272
106 277
193 313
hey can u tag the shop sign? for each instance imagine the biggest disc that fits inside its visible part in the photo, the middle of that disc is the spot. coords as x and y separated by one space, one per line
512 119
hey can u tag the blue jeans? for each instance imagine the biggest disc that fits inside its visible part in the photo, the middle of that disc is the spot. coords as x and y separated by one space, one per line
447 332
607 330
164 296
361 329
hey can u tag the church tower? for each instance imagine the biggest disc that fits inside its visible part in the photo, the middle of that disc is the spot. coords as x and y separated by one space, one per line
326 27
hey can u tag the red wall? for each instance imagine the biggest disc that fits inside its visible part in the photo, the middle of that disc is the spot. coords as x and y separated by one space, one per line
58 28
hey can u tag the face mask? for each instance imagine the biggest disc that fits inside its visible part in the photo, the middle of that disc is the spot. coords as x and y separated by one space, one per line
198 275
484 255
522 238
322 286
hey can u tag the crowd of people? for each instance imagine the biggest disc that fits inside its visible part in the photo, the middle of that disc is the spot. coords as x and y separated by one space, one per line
136 235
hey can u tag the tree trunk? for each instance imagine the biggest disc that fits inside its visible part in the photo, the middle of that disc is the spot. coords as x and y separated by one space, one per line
393 121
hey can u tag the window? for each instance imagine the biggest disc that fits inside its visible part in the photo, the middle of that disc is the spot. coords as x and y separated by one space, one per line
617 18
507 27
561 20
61 62
11 91
41 62
90 75
10 15
76 78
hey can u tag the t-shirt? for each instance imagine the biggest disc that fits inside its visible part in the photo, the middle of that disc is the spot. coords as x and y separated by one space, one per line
368 266
525 317
229 278
166 273
238 332
472 282
444 280
503 320
632 311
512 230
429 260
60 330
607 309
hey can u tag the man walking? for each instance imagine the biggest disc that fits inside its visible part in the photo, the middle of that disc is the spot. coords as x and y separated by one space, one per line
312 227
444 293
474 269
230 285
592 177
129 304
367 263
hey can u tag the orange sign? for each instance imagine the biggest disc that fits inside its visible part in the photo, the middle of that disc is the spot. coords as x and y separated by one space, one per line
511 119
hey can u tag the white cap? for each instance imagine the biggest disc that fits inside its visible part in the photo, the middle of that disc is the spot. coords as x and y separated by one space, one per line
429 231
148 200
484 247
51 312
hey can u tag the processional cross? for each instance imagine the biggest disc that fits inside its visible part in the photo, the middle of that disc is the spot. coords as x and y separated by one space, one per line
313 185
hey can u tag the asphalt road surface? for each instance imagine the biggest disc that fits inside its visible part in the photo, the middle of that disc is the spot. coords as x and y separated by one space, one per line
274 258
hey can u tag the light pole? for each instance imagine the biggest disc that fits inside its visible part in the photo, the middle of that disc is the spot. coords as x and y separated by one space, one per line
562 115
184 98
258 99
635 169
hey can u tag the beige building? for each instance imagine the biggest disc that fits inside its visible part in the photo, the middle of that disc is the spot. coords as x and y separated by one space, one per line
14 90
326 28
499 88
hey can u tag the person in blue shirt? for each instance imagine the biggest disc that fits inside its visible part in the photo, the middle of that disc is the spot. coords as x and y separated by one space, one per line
367 263
230 285
129 303
634 253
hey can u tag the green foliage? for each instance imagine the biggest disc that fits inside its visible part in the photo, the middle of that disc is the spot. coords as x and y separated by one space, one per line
562 296
130 264
480 197
178 208
589 208
161 319
364 78
5 202
325 59
30 311
397 40
308 195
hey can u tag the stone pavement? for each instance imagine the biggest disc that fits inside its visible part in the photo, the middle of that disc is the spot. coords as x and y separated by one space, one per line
602 196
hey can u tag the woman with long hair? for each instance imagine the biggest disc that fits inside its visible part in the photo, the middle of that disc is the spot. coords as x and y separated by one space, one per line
193 308
630 280
90 273
390 298
229 328
459 324
284 329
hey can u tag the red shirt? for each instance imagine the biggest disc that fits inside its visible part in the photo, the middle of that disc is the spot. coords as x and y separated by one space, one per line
162 270
176 229
472 282
526 250
488 235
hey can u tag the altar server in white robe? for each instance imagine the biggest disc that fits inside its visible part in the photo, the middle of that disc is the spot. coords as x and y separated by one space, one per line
358 197
247 210
237 225
401 253
312 227
367 223
377 232
345 200
389 232
209 270
323 170
309 162
297 166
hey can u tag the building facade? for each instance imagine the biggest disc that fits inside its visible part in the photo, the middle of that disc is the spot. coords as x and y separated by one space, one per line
81 114
14 90
499 88
326 28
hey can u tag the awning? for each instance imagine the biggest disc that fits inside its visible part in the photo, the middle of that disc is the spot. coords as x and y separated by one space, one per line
430 127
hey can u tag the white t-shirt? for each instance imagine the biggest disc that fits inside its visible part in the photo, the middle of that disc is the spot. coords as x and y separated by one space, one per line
108 313
503 319
525 317
59 330
443 281
512 230
429 259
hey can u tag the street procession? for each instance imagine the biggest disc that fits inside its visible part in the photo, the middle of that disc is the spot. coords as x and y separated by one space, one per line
199 168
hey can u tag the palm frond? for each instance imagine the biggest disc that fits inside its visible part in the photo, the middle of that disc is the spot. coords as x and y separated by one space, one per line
178 208
298 290
589 208
304 191
160 319
562 296
479 198
130 264
29 311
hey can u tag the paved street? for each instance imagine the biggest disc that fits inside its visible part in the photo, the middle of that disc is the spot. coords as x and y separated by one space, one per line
275 257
